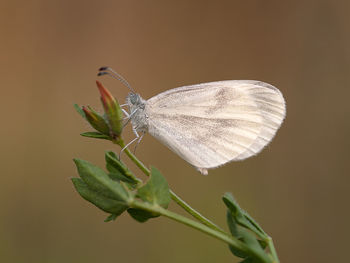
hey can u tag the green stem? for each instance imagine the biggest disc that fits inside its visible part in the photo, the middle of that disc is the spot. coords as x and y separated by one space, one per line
272 250
196 225
194 213
175 197
139 164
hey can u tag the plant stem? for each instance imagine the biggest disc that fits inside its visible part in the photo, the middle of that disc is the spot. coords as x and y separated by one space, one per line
196 225
194 213
138 163
272 250
175 197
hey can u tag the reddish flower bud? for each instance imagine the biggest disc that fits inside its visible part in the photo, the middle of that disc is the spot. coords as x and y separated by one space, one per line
112 109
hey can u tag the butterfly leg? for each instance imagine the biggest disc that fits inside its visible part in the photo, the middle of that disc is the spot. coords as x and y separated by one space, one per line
126 114
126 146
138 142
128 117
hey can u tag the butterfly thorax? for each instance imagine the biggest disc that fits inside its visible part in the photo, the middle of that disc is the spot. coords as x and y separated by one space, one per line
137 112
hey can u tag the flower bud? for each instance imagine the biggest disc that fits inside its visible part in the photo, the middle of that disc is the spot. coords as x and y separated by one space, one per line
112 109
96 120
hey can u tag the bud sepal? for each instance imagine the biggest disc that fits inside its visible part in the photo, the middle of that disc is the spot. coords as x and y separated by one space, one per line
96 120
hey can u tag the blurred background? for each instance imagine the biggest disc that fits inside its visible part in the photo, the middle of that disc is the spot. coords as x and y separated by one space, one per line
297 188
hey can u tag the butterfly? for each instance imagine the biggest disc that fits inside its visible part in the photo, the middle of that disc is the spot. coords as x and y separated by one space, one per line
210 124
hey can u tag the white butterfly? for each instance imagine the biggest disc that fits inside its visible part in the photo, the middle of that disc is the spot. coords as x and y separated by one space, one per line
211 124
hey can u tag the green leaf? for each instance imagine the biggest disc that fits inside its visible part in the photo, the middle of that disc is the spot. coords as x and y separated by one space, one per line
141 215
250 260
79 110
241 217
111 217
262 243
237 252
96 135
106 204
98 181
232 224
117 176
250 239
255 224
156 190
242 226
258 246
118 171
231 203
234 229
115 165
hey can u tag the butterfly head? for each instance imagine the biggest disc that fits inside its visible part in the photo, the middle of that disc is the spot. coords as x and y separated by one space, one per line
135 101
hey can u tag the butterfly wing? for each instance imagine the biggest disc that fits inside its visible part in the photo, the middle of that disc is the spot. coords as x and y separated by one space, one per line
211 124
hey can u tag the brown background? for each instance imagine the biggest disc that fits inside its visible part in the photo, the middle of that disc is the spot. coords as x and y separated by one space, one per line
297 188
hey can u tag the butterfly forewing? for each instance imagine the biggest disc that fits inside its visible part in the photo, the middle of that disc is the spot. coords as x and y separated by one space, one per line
213 123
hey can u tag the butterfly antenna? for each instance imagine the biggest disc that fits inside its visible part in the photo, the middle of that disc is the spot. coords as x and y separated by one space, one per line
113 74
